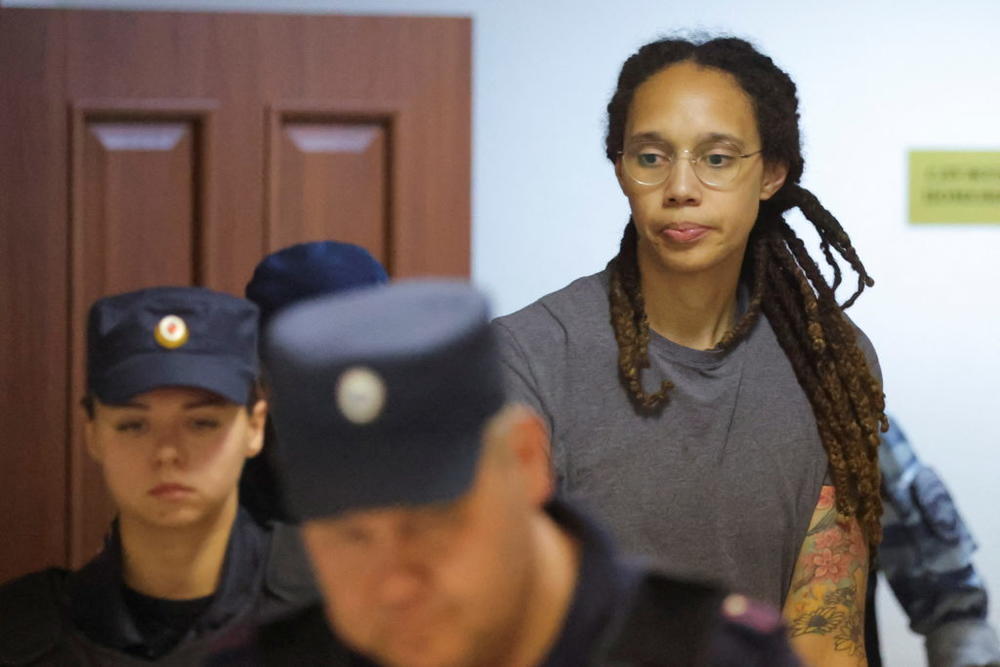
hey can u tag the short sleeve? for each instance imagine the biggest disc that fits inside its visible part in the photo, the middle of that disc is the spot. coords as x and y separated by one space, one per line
520 381
865 344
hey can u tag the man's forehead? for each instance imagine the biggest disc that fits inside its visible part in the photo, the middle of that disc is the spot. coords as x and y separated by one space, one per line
388 515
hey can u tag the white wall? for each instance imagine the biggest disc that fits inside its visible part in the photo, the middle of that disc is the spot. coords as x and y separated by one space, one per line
875 79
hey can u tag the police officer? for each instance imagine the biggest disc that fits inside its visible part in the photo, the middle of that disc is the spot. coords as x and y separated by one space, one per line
926 555
426 510
172 414
285 277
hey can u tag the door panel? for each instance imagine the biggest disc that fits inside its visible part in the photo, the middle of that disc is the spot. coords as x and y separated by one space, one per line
419 78
137 193
329 180
136 196
144 148
201 64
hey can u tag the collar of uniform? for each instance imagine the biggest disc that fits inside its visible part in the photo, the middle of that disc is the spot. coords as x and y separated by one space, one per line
602 582
668 622
625 612
99 611
289 576
601 586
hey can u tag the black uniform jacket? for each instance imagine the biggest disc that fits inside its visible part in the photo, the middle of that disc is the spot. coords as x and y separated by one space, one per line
623 614
57 617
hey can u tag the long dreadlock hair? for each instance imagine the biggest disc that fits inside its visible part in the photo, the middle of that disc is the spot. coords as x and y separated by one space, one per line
786 284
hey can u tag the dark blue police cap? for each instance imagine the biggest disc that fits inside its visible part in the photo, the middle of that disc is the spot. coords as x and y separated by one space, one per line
171 336
308 270
380 395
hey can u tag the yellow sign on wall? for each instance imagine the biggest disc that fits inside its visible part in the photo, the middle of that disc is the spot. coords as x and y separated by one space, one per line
954 186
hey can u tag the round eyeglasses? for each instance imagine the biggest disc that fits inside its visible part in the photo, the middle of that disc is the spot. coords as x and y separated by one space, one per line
652 163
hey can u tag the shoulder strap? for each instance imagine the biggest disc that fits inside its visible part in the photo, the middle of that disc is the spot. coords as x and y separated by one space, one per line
667 622
33 619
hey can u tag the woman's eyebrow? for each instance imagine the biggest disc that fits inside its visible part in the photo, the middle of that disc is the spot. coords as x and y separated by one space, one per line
719 137
707 138
648 136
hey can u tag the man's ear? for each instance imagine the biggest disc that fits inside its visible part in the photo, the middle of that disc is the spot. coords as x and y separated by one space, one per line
774 178
529 441
256 420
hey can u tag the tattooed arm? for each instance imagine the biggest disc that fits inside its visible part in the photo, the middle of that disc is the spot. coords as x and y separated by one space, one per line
825 605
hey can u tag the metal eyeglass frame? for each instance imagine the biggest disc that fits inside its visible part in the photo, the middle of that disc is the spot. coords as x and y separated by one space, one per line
694 167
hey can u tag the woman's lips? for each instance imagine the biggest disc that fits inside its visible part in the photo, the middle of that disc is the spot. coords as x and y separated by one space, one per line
170 491
685 232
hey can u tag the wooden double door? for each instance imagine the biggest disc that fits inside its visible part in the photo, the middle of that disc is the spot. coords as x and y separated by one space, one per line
150 148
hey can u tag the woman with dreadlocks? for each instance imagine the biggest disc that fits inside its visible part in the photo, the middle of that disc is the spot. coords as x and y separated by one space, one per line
705 393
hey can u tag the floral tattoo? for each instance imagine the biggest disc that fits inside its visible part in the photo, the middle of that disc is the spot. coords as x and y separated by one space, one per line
826 598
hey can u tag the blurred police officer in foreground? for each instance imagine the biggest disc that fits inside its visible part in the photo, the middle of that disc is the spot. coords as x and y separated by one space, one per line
283 278
172 414
426 510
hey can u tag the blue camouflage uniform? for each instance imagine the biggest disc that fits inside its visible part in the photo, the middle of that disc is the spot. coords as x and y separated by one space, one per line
926 555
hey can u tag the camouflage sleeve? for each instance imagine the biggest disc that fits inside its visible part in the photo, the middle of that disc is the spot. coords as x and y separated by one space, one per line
963 643
926 556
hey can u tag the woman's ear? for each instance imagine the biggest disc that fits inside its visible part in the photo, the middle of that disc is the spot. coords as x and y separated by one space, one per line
774 178
256 421
91 441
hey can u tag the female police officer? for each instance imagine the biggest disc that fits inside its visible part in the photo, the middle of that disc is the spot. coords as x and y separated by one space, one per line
172 415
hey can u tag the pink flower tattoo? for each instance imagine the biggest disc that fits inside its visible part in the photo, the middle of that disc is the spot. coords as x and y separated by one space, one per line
828 564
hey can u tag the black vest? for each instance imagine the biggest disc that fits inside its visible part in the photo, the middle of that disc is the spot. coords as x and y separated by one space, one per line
57 617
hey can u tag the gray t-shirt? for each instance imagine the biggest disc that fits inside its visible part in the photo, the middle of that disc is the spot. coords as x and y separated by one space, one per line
720 485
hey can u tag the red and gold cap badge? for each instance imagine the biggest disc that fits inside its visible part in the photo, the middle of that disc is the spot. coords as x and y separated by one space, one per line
171 332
